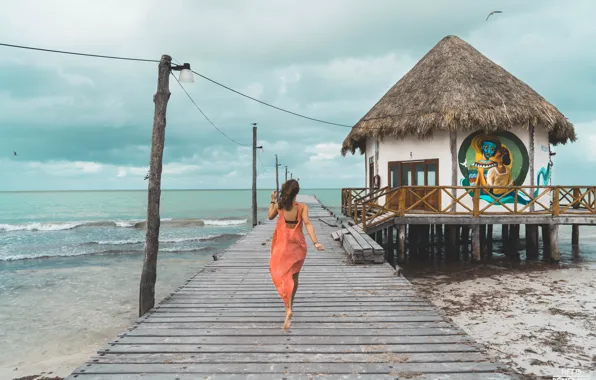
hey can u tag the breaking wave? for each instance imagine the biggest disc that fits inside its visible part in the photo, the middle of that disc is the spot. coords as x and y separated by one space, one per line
138 224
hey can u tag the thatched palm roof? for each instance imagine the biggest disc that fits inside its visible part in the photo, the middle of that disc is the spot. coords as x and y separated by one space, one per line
454 86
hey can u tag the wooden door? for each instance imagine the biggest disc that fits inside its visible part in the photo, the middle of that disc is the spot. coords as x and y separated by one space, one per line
422 177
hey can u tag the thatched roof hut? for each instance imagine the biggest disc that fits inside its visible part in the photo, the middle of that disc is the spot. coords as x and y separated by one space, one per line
455 87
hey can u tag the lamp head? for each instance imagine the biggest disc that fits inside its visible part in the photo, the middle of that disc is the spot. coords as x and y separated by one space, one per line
186 74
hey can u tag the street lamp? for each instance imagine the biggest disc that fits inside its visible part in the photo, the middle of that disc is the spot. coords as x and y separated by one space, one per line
186 74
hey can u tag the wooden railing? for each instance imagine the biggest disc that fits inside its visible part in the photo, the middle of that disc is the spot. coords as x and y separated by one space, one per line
352 199
473 201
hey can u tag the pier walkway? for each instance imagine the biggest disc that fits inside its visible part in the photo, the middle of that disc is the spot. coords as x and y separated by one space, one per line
350 322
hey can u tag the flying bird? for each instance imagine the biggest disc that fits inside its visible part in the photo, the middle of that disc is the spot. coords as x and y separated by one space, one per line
492 13
147 176
14 153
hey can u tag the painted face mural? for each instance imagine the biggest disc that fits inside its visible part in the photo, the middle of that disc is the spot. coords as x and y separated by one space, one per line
497 160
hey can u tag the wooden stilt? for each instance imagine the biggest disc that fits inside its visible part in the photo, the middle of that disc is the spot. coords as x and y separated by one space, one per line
489 240
483 239
504 237
575 235
465 237
531 242
545 241
555 253
440 234
476 242
390 248
401 242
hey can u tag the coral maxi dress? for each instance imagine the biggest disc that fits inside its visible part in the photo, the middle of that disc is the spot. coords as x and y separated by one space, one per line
288 251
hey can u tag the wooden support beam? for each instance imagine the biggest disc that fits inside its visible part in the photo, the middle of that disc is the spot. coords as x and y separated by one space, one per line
476 242
504 236
555 253
465 236
489 240
483 239
531 242
390 248
545 241
401 242
575 235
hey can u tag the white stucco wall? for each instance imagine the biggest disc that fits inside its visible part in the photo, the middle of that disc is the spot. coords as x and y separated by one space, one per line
411 148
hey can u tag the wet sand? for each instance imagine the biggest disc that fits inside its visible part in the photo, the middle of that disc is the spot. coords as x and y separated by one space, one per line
536 319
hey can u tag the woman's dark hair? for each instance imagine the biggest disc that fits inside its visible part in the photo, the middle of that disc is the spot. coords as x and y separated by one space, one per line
505 157
288 193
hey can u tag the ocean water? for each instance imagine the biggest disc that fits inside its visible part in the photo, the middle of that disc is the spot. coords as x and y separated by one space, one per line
70 262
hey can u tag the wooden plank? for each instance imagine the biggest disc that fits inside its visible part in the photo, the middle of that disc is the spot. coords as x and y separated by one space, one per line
296 331
360 239
287 376
359 322
283 368
245 357
297 325
287 339
292 348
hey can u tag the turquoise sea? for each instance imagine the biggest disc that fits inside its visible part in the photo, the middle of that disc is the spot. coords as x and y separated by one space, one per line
70 262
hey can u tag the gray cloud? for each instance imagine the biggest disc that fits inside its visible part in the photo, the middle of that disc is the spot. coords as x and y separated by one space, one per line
331 60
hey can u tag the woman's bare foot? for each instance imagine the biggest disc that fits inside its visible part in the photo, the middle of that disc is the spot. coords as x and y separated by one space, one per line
288 321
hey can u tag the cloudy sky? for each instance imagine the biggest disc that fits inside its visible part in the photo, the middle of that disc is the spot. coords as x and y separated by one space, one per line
84 123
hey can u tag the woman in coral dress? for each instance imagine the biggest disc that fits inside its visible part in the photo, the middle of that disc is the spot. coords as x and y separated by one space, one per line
288 246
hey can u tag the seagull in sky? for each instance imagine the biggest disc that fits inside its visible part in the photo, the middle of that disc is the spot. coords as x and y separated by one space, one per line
492 13
14 153
147 176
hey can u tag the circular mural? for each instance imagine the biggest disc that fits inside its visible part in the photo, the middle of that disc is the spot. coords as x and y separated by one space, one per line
494 159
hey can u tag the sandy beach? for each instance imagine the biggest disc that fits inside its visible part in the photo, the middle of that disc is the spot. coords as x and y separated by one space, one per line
536 321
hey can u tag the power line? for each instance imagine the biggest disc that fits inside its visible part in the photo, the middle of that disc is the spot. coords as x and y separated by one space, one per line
81 54
203 113
270 105
157 61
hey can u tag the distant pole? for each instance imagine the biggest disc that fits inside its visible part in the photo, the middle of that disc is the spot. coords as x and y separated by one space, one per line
254 174
290 175
286 173
149 273
276 175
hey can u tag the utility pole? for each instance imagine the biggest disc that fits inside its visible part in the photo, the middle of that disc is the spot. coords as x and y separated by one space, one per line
149 273
276 177
290 175
254 173
286 173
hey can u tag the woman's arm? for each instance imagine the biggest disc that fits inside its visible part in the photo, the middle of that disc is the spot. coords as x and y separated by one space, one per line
272 207
310 229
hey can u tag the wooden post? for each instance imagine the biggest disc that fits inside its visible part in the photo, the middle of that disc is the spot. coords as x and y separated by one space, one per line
149 273
504 233
277 177
454 165
401 242
254 174
465 236
531 159
489 240
555 253
545 241
482 239
476 242
286 180
439 232
390 248
531 242
575 235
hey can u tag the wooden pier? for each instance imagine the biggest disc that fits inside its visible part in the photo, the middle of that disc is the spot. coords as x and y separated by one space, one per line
350 322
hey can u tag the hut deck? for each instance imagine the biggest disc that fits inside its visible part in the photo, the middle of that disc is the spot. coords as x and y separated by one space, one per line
350 322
